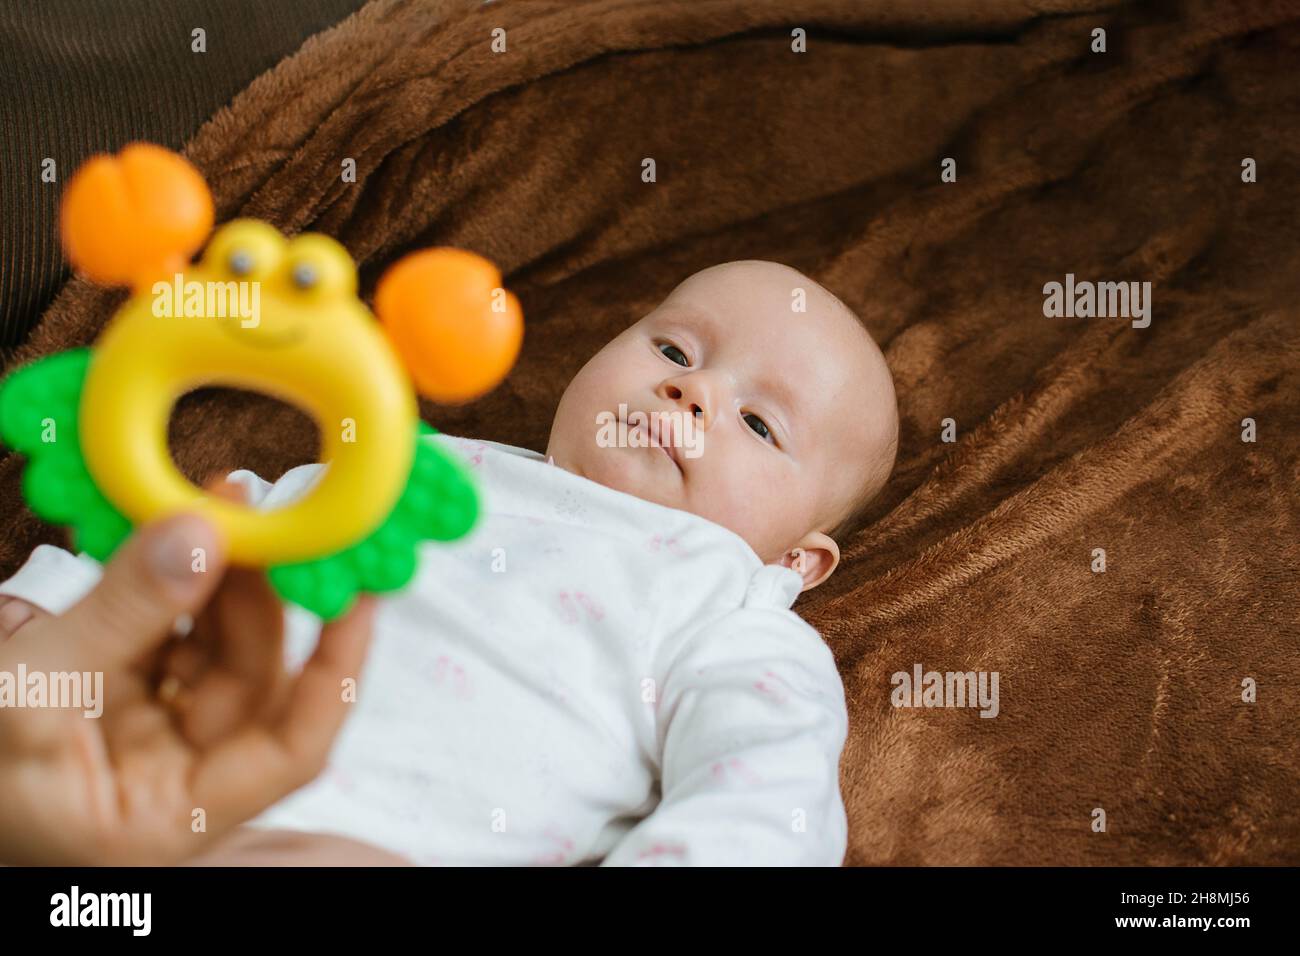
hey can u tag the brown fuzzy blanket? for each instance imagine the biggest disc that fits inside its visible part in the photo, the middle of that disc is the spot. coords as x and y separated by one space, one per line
1120 690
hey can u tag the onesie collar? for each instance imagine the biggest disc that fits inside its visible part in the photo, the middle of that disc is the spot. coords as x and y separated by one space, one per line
770 585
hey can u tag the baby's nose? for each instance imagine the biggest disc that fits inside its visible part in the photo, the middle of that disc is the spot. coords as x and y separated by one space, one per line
696 410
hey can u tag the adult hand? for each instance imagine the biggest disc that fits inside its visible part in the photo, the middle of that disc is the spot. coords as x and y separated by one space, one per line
196 734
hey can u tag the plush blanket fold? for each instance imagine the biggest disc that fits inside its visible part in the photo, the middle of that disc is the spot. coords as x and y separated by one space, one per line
1080 504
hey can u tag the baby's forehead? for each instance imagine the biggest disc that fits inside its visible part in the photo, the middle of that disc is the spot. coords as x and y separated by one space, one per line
802 335
776 304
755 292
754 277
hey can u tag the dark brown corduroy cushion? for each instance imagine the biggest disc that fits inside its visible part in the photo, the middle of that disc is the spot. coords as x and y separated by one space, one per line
78 78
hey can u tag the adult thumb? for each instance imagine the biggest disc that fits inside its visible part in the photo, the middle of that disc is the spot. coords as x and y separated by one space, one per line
166 569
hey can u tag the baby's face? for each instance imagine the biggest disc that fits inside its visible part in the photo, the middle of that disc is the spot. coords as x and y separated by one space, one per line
786 406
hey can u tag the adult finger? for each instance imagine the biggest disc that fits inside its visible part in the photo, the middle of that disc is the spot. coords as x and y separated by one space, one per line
317 702
188 657
244 677
238 779
16 613
166 569
232 662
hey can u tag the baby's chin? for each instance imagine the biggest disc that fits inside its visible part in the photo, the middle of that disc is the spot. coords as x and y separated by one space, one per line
635 471
644 472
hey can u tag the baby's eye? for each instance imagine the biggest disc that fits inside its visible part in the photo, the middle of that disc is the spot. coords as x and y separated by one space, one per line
757 425
664 349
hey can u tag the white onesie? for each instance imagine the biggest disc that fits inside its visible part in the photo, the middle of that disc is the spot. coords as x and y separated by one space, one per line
586 677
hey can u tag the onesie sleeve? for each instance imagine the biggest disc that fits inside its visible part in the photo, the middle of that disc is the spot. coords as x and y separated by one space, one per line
54 579
751 721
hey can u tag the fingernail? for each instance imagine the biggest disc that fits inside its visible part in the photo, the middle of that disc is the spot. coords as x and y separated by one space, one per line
181 549
14 615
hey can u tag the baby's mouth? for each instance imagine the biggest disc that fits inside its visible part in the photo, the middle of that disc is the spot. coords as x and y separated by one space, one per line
663 441
672 453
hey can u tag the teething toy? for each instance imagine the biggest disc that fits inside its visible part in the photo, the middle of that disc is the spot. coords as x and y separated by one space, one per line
275 315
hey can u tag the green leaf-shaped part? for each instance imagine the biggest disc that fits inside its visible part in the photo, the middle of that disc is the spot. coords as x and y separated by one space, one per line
39 411
439 503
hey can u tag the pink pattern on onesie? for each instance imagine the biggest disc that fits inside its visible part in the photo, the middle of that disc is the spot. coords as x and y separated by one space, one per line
735 767
477 449
769 685
447 671
669 544
657 850
569 606
558 855
341 779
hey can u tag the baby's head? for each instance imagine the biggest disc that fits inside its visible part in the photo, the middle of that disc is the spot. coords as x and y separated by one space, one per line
794 427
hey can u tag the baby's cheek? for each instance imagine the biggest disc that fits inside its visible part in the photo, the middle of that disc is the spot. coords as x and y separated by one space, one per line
782 506
738 498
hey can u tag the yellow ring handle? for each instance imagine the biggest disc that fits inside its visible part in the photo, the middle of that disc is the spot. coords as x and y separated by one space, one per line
144 363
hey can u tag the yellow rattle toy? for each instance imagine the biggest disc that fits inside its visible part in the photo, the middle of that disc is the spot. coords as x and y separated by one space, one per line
276 315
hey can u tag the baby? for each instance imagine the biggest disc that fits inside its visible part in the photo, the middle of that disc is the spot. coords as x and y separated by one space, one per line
607 669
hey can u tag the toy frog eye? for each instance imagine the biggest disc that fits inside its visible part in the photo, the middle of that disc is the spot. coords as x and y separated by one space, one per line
304 275
240 262
246 249
319 267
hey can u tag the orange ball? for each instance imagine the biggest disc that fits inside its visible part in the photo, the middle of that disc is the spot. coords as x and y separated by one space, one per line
457 330
135 217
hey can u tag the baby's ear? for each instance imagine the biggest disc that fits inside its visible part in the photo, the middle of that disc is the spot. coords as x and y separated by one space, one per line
814 558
